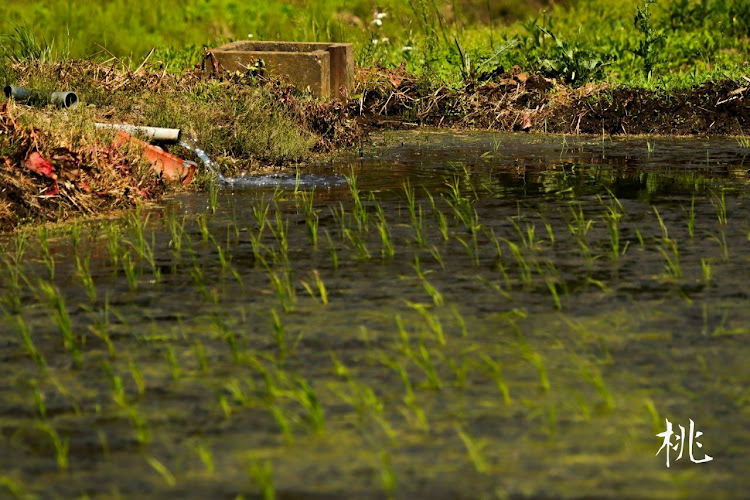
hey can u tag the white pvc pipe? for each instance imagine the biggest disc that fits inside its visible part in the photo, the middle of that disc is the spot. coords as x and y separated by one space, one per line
149 133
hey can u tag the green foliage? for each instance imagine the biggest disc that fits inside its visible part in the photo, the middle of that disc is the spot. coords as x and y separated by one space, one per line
570 62
21 45
651 41
441 42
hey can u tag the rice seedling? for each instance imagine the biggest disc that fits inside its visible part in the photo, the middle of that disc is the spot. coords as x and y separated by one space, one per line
612 216
281 232
387 477
213 196
49 260
309 400
386 250
580 225
721 240
11 300
61 445
161 469
311 216
460 371
423 360
360 211
206 456
415 214
202 222
523 265
16 489
691 217
497 376
656 422
239 395
175 370
527 237
319 285
671 254
433 322
283 286
551 279
226 265
117 390
24 332
140 425
222 330
720 204
283 422
472 248
137 375
279 334
177 231
199 351
41 407
414 414
20 243
83 270
340 217
706 268
462 207
332 251
474 449
62 319
537 361
550 231
100 328
130 269
434 293
363 253
435 252
460 321
262 474
593 375
113 243
439 217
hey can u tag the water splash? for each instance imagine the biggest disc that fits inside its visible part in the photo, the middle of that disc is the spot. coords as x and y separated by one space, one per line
287 181
261 181
207 162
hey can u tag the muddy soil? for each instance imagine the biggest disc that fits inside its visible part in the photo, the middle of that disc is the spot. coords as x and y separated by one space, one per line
518 101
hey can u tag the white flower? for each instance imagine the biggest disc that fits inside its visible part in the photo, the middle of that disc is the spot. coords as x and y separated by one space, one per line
384 39
380 15
374 41
407 48
377 22
250 35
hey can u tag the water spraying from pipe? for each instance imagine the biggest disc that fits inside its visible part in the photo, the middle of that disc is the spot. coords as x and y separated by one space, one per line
287 181
207 162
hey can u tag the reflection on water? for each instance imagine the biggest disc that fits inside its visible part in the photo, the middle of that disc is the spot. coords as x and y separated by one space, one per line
452 315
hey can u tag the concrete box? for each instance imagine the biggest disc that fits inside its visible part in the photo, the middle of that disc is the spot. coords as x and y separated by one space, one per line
325 68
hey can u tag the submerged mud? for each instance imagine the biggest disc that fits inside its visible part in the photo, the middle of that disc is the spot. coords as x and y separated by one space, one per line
466 316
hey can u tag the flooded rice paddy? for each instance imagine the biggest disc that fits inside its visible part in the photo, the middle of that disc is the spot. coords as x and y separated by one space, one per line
445 315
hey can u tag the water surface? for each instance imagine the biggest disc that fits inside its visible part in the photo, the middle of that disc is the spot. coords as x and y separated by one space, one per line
499 316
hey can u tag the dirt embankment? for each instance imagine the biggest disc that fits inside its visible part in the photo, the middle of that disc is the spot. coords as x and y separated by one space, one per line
44 181
519 101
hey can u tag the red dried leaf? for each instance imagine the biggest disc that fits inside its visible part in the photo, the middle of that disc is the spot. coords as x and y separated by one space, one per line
38 164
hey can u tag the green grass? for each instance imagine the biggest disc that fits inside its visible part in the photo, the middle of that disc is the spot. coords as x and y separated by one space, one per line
647 43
